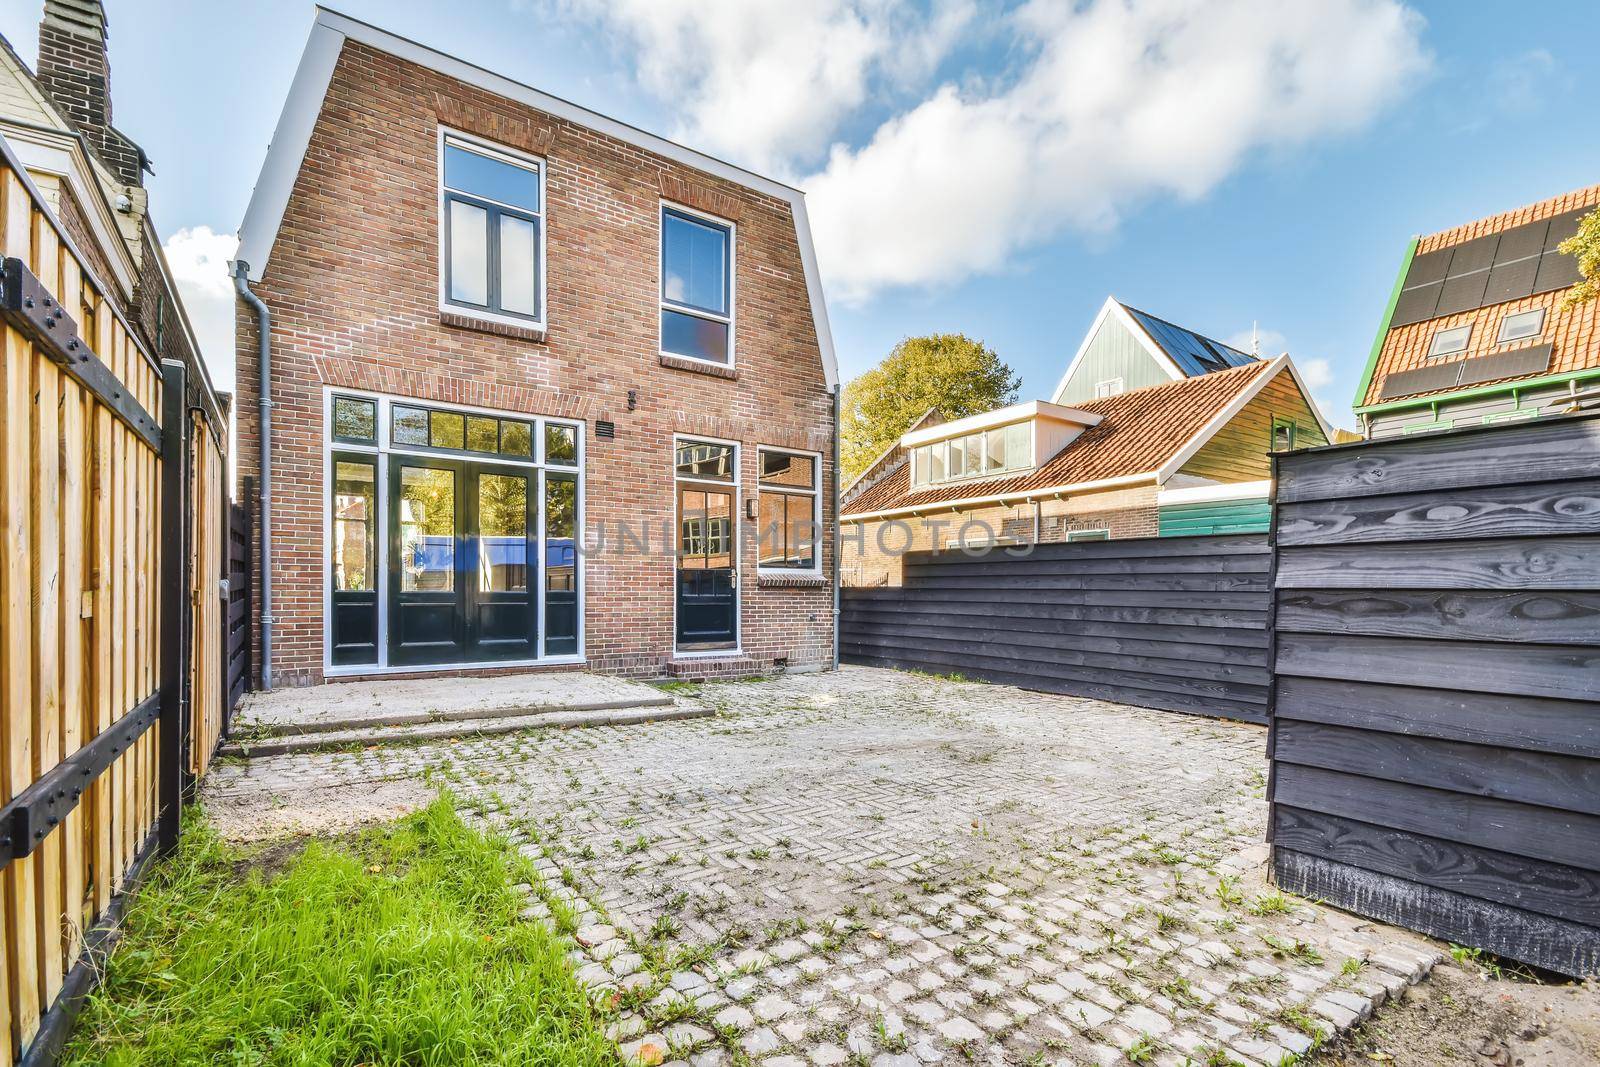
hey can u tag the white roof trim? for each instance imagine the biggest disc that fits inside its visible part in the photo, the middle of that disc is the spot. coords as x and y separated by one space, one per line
1000 498
1223 417
1311 402
1205 494
301 107
1114 308
61 153
1024 412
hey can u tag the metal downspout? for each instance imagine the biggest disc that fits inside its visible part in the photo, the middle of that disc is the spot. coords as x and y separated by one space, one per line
838 543
241 283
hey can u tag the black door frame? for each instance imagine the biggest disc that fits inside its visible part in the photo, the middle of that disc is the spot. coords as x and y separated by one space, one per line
707 485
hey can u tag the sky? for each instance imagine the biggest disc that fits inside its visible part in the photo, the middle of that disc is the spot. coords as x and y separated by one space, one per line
991 169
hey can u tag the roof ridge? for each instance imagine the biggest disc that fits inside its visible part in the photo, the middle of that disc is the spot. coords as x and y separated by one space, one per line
1188 329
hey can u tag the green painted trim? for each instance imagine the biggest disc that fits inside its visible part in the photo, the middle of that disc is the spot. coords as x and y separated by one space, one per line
1424 427
1510 416
1482 390
1383 328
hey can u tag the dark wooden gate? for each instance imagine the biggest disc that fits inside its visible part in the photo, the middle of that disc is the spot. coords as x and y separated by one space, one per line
236 644
1435 736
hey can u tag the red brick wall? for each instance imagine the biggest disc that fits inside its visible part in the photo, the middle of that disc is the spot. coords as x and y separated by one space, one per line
353 286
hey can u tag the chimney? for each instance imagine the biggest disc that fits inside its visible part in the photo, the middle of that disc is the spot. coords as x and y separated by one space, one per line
75 69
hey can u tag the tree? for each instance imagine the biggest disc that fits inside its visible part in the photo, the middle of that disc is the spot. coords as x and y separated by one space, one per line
948 372
1585 244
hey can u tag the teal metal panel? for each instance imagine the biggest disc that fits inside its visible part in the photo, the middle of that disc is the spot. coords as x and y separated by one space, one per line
1196 520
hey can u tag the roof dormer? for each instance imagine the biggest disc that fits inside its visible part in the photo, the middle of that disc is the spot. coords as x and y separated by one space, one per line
1008 440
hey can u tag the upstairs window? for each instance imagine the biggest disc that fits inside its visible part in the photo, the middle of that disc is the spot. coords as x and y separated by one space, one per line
1521 325
493 231
1109 387
976 455
696 286
1449 342
1283 434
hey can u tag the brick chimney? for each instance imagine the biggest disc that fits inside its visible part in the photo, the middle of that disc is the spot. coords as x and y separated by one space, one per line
75 69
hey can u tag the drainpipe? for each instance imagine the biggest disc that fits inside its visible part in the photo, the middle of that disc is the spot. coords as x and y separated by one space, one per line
838 543
241 282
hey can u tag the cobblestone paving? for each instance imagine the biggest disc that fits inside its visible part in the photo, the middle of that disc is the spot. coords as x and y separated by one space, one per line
881 868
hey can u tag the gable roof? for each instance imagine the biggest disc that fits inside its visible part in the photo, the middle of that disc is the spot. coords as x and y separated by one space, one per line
285 154
1180 352
1143 435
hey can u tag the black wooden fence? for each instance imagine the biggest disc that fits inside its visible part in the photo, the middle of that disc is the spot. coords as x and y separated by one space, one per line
1171 623
237 671
1435 737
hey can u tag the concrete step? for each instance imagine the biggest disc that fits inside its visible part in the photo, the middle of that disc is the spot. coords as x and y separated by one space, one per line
391 732
370 718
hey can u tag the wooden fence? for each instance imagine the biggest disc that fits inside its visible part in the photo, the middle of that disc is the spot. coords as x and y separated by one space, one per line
93 623
1171 623
236 647
1435 735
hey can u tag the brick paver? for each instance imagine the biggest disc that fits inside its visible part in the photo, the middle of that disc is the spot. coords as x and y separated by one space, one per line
885 868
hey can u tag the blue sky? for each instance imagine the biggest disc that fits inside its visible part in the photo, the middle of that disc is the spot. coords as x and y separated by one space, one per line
989 169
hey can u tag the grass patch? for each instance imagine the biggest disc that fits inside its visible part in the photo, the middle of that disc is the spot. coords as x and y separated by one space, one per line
400 945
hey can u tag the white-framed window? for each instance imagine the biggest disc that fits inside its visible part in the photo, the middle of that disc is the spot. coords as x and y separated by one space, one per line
1088 535
491 231
789 519
1109 387
984 454
1521 325
697 285
1449 342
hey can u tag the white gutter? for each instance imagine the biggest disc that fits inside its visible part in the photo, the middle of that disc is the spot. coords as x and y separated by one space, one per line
1019 497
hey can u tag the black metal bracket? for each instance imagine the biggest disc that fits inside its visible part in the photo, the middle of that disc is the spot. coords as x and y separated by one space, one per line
31 308
38 809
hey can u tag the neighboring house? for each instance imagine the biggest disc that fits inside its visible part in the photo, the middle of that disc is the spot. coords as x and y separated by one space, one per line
58 122
1474 331
1129 349
505 328
1184 457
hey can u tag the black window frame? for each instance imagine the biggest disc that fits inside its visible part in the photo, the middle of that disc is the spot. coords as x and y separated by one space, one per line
333 419
729 286
787 492
492 254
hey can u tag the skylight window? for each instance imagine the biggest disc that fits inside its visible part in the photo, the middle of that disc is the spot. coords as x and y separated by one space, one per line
1520 325
1449 342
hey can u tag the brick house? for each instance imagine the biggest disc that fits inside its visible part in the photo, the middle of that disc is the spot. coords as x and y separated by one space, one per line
546 390
1474 331
1186 454
58 122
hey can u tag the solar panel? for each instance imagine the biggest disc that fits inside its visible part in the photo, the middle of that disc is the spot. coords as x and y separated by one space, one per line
1511 281
1429 267
1556 271
1462 293
1421 380
1563 226
1476 254
1416 304
1520 242
1534 359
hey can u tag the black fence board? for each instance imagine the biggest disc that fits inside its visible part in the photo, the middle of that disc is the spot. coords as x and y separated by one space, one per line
1515 721
1553 617
1176 624
1435 712
1548 888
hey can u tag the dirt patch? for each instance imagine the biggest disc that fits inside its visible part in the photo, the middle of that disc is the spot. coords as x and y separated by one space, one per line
1458 1016
316 812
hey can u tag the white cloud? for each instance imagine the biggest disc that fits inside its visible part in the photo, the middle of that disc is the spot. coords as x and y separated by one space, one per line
198 257
1318 373
1118 102
769 82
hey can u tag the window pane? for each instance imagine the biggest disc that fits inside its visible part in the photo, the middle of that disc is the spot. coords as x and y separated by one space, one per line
771 531
1522 324
502 532
516 438
782 468
467 171
469 253
995 450
1019 446
483 433
1452 340
427 530
690 335
410 426
447 429
354 509
973 446
355 419
936 462
519 265
955 464
694 263
560 444
802 531
919 465
702 459
560 564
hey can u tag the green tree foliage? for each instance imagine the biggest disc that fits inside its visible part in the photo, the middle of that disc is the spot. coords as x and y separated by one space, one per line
948 372
1585 244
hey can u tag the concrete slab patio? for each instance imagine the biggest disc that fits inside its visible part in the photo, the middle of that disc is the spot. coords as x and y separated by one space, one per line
885 868
390 709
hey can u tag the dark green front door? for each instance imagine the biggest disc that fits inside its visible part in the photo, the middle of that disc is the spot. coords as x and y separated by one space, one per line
460 575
